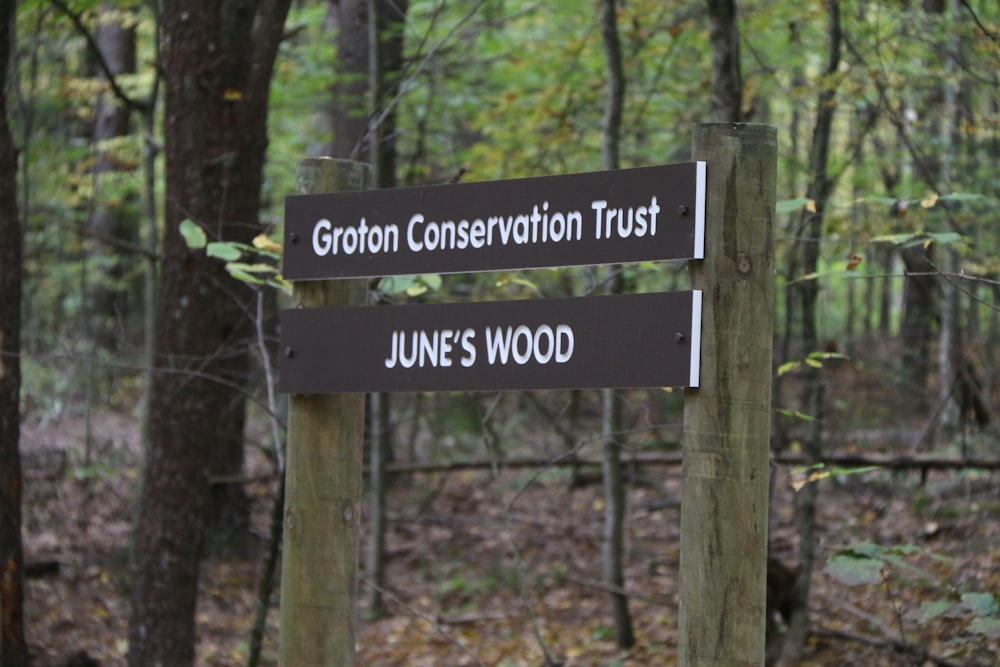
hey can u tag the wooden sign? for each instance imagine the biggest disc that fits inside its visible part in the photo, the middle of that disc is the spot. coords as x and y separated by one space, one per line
627 215
632 340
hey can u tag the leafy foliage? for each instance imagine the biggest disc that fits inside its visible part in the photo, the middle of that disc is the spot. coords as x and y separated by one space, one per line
867 563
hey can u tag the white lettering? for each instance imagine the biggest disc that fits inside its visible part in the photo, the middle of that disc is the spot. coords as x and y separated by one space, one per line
550 347
350 240
415 246
321 237
564 352
523 333
521 344
498 345
469 347
599 205
629 221
330 240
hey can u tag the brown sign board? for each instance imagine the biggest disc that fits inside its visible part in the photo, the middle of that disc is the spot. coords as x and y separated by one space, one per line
631 340
627 215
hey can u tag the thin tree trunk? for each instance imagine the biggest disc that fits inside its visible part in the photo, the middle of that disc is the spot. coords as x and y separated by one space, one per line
727 78
949 330
350 123
107 299
13 649
819 191
614 488
384 64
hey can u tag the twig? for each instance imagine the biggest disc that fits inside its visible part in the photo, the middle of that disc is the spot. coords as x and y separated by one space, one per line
896 644
489 440
272 405
77 21
435 625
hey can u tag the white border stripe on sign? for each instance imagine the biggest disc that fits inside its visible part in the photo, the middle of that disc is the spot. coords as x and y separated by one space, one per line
695 338
699 211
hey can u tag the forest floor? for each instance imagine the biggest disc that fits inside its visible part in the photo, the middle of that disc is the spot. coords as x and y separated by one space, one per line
505 569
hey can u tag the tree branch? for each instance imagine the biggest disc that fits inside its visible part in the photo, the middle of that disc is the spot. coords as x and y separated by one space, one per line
141 106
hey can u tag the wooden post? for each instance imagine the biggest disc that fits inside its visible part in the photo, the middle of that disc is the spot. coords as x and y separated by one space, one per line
727 420
319 573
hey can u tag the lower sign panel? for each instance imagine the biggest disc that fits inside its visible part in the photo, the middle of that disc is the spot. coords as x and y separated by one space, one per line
632 340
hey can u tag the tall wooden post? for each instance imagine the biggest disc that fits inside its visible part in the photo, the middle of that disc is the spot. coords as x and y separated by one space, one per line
319 573
727 419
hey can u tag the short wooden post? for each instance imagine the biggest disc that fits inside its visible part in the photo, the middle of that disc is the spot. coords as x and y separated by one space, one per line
319 573
727 420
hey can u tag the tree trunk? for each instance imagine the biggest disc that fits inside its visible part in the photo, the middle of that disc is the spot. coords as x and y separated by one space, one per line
820 187
13 650
611 420
217 72
727 78
111 218
916 330
350 106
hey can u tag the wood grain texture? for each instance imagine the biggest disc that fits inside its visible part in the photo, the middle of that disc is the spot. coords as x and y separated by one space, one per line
727 420
319 575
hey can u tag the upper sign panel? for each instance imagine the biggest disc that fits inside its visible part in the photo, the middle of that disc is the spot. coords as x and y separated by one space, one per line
626 215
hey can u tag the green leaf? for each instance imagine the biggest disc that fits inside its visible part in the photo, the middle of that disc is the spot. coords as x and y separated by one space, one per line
866 549
896 239
224 250
790 205
856 566
193 235
245 272
962 196
827 355
432 280
280 283
253 268
788 366
795 413
930 610
980 604
986 625
946 238
395 284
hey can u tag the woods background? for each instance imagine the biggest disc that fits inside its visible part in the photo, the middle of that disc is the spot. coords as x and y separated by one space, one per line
145 152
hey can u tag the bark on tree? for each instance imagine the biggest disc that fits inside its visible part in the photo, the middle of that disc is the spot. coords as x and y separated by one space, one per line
917 327
612 418
727 78
384 64
217 63
350 116
13 650
819 190
106 300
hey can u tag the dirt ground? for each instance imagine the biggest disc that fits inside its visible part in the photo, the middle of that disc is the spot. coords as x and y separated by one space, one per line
506 570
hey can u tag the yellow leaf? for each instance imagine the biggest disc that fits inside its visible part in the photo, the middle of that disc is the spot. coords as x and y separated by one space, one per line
929 201
232 95
811 205
261 242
